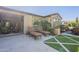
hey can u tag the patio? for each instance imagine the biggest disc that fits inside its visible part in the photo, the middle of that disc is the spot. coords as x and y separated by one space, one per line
24 43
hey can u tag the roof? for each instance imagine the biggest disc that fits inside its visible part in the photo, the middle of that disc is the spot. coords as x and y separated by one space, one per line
5 8
54 14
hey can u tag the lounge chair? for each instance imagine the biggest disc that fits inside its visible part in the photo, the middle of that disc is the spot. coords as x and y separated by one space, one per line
44 32
33 33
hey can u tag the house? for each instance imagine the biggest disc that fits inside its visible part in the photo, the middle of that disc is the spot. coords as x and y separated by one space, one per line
23 20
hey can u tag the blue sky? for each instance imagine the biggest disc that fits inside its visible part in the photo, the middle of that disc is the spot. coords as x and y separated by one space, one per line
67 12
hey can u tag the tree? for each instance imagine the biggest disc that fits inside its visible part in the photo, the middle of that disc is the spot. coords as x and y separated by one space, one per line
76 19
69 25
44 24
73 24
36 23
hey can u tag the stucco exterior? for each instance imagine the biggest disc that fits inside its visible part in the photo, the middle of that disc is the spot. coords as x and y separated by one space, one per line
29 18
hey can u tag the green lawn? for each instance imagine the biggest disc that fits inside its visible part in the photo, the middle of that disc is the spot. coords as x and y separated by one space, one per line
75 38
72 48
51 40
56 46
64 39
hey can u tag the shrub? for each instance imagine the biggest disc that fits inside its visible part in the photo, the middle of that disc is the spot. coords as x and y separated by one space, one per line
4 29
44 24
64 28
75 30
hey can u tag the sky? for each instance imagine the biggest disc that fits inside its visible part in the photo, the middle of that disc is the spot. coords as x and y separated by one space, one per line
67 12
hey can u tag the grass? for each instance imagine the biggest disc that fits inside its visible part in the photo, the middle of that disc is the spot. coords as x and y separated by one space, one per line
56 46
72 48
64 39
51 40
75 38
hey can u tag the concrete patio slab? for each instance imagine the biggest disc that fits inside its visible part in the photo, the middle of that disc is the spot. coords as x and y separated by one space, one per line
24 43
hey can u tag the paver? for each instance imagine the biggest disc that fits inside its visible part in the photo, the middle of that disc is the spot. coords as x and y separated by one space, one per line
56 46
64 44
72 39
72 48
63 39
75 38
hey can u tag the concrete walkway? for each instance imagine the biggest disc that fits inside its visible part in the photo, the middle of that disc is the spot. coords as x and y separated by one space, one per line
24 43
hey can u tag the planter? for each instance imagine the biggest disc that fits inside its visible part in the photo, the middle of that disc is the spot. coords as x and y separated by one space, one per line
57 31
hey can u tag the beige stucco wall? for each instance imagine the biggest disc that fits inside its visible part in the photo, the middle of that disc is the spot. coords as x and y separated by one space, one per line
27 22
48 18
29 19
56 21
